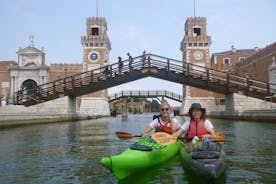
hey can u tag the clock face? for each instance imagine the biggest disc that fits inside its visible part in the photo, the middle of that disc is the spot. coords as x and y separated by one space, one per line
94 56
198 55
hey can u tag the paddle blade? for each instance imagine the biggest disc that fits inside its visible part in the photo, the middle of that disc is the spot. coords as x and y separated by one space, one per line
163 138
220 137
124 135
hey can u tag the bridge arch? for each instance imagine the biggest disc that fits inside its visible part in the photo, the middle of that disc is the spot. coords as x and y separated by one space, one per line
150 66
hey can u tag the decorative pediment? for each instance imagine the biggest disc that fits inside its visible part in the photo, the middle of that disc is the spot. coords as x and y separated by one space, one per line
32 64
29 50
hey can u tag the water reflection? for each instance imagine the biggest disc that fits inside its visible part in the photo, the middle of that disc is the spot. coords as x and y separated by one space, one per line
70 152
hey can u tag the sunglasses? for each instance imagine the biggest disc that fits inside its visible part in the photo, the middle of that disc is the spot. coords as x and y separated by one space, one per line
164 109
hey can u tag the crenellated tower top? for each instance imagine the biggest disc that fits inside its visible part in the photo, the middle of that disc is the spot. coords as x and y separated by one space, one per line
96 33
195 33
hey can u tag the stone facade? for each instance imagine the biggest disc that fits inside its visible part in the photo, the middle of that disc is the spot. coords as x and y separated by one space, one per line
238 102
272 74
30 71
141 107
195 48
257 64
96 47
227 60
5 89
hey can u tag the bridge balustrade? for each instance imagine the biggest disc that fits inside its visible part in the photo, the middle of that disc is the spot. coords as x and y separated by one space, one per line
144 66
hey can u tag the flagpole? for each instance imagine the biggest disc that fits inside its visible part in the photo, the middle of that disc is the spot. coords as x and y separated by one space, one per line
97 8
194 9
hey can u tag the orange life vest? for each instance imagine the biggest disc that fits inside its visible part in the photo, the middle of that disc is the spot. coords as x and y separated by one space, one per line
197 128
163 128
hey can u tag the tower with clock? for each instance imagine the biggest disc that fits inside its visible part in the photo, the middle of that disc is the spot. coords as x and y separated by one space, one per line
96 47
195 48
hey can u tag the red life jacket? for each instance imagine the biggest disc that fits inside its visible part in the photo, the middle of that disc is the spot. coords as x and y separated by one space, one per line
197 128
163 128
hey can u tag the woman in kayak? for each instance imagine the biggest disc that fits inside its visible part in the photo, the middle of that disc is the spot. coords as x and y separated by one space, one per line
198 125
164 123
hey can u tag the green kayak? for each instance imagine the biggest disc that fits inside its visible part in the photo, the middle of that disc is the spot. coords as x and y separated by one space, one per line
143 154
204 160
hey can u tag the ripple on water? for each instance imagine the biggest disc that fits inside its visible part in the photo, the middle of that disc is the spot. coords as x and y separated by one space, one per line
71 152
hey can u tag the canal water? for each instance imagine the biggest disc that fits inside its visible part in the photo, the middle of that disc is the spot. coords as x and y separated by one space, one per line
70 152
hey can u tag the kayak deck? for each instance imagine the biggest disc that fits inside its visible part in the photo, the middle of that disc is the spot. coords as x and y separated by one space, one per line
143 154
203 160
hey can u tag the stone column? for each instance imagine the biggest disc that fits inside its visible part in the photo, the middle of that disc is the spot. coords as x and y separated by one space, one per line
124 108
71 105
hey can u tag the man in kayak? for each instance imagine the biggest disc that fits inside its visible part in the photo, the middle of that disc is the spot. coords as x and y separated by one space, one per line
198 125
164 123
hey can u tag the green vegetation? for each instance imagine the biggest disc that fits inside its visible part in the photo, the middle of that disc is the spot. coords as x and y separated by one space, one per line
135 110
130 110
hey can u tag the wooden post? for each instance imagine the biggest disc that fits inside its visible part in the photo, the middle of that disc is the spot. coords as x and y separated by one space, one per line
188 69
149 64
54 87
267 89
73 82
110 71
168 65
227 81
91 76
130 65
247 84
208 76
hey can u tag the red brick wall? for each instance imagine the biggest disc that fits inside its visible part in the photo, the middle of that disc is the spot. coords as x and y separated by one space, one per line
5 76
58 71
256 66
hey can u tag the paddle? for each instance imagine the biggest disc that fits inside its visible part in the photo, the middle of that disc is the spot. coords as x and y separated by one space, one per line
159 137
125 135
220 137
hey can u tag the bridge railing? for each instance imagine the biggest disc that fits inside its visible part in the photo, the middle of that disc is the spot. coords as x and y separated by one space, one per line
72 83
145 94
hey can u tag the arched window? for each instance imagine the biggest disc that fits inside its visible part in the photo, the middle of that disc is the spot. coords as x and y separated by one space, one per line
28 84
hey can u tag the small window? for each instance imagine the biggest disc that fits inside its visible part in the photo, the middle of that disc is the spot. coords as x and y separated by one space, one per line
222 101
241 59
95 31
226 61
197 31
200 44
96 44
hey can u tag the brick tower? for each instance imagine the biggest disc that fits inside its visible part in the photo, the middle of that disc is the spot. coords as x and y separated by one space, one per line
96 47
195 48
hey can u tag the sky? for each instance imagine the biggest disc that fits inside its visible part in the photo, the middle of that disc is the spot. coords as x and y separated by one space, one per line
156 26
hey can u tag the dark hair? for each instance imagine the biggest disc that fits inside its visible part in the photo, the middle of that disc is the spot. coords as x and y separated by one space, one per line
201 117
